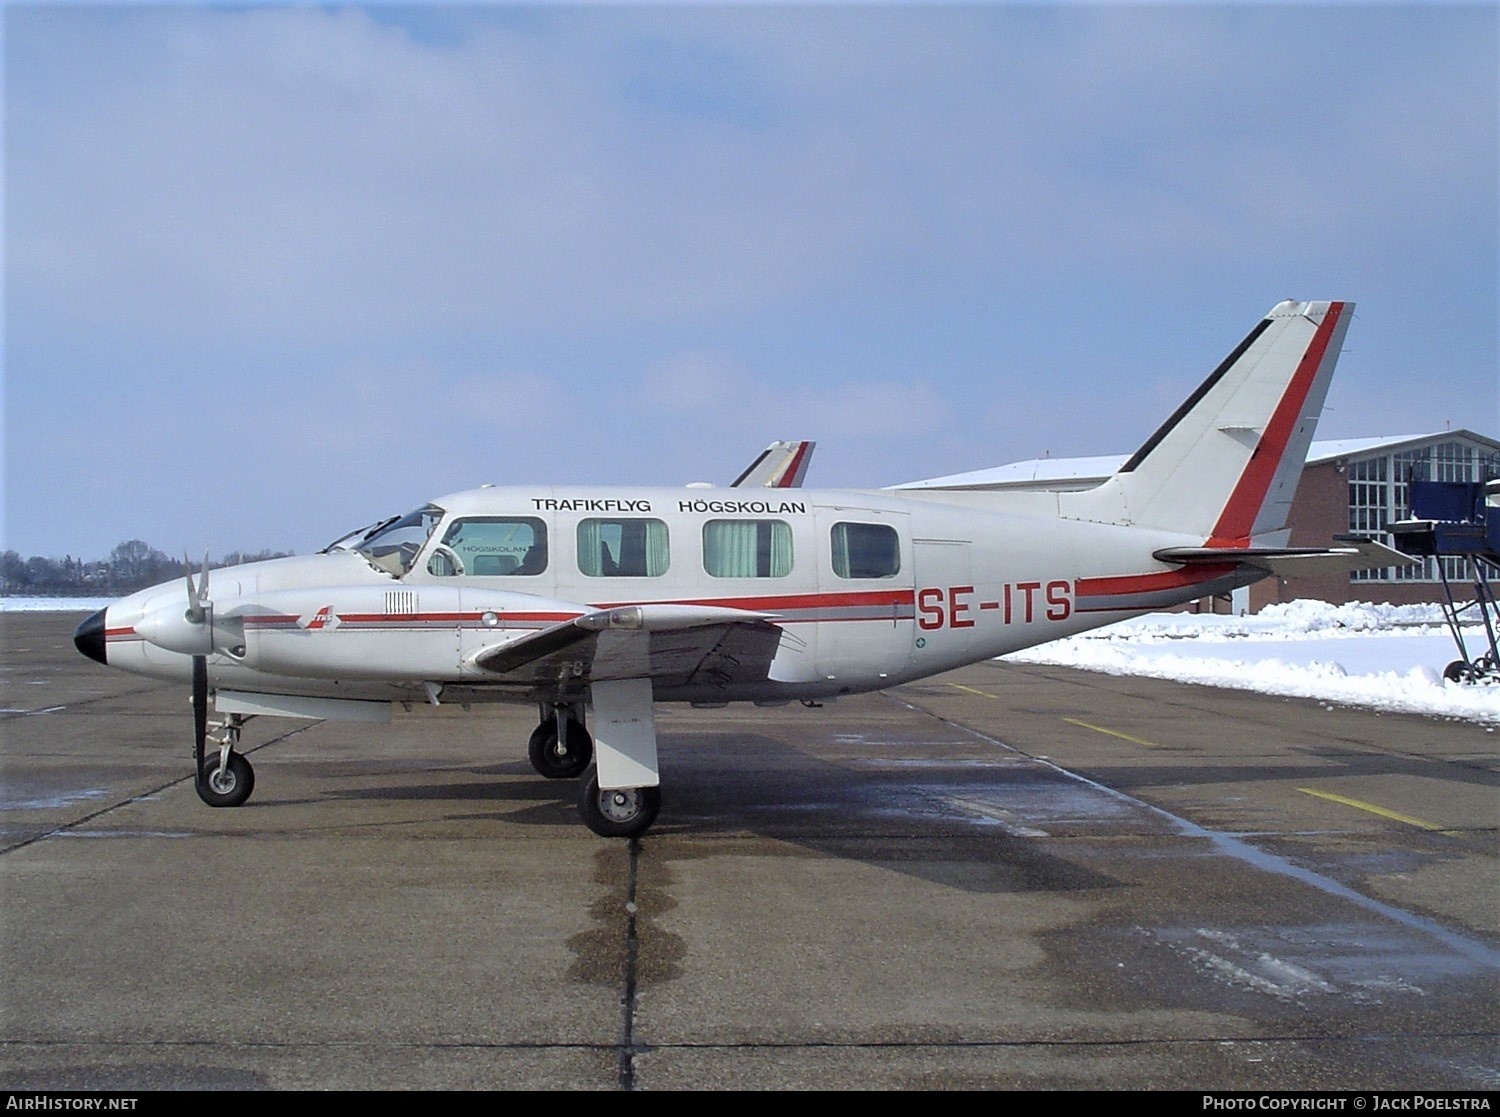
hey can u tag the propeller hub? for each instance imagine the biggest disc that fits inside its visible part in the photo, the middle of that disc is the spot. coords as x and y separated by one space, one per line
88 638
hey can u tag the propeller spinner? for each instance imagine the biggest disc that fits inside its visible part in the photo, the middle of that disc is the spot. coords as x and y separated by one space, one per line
194 630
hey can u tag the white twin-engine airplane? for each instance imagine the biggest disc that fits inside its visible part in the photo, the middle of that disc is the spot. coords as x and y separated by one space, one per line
595 603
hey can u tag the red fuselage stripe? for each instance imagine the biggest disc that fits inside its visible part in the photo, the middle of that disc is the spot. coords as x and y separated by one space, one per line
1151 583
790 602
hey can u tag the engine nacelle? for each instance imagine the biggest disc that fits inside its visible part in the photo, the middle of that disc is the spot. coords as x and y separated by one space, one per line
178 628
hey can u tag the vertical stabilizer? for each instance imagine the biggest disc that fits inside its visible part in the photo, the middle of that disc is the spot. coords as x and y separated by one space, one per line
781 465
1224 467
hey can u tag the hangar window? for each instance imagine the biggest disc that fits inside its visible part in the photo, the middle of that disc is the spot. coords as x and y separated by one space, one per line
866 551
622 548
747 548
482 546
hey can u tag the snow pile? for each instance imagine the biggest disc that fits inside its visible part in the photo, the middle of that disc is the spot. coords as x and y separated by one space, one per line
1355 616
1292 620
1388 657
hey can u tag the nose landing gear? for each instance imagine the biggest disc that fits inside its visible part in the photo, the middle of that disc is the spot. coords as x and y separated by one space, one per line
226 783
225 778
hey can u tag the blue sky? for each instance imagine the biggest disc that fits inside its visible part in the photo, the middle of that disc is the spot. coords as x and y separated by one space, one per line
274 272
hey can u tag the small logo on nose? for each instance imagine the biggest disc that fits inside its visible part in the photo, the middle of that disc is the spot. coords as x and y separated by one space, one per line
324 618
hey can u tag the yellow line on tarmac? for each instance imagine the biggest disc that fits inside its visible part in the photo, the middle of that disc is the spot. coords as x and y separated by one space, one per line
1372 808
1114 733
1072 721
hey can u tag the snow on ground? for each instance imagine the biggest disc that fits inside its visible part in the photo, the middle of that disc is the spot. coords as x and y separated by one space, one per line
1390 657
53 604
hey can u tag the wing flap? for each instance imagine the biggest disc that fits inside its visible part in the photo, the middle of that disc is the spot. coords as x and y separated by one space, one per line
673 645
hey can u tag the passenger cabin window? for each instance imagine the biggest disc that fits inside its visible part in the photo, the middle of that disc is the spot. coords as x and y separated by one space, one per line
486 546
747 548
622 548
866 551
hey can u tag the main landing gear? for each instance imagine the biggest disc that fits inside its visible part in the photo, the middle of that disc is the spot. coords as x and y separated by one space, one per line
561 748
619 812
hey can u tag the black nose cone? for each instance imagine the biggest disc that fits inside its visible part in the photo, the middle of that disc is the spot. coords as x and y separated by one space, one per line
89 637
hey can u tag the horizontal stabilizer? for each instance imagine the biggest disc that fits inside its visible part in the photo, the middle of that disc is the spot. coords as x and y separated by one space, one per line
1356 553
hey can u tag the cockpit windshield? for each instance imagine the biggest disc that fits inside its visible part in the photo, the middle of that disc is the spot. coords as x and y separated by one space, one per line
391 545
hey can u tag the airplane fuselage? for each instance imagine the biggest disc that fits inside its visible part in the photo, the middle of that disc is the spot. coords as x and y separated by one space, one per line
869 588
595 603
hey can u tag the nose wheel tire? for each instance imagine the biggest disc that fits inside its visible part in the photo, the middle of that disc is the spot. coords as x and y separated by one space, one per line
626 812
560 758
226 786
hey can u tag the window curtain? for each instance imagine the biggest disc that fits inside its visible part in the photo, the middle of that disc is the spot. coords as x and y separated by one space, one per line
657 553
781 550
729 548
591 548
841 550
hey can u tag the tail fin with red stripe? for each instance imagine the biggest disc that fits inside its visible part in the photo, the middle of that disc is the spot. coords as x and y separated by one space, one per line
781 465
1224 467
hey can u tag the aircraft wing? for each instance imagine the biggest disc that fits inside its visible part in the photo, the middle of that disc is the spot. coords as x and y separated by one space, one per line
1355 553
672 645
781 465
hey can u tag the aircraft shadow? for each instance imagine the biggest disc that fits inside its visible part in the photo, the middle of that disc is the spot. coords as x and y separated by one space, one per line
933 818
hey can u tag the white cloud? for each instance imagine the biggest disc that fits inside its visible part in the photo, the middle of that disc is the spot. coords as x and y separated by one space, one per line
307 171
862 224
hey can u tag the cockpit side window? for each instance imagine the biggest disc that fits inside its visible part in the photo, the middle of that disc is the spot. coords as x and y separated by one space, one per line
393 545
488 546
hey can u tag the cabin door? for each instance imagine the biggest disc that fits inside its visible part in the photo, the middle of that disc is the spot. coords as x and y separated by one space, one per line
865 600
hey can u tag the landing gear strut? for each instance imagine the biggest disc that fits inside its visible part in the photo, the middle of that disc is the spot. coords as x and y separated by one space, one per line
560 747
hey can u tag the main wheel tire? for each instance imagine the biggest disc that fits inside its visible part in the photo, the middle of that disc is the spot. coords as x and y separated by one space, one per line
1459 672
228 786
560 761
620 812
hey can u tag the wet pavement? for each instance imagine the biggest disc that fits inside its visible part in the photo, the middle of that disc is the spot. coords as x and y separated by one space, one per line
1004 877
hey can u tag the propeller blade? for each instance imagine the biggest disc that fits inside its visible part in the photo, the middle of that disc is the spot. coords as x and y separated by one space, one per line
198 602
200 714
195 608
